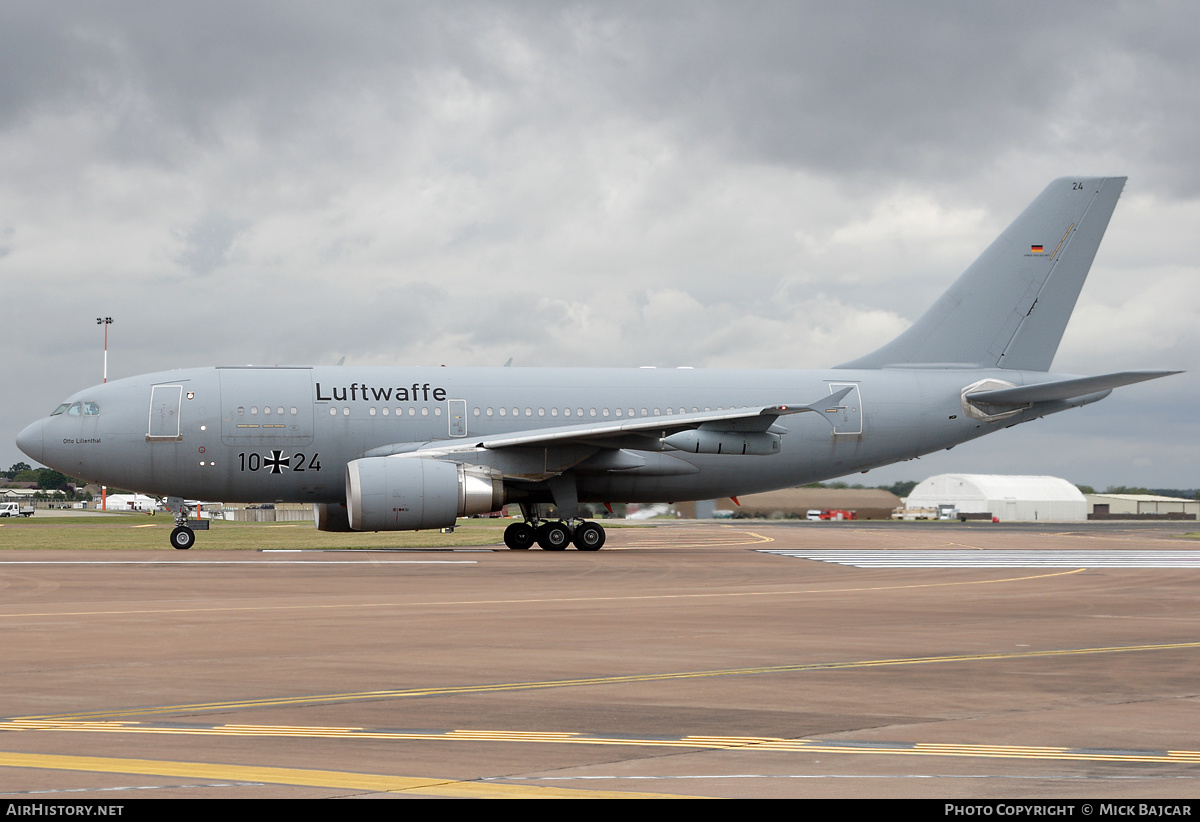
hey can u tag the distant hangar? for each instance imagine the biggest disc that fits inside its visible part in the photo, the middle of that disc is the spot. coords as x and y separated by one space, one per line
1009 498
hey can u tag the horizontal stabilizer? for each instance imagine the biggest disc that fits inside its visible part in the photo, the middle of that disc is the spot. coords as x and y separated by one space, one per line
1064 389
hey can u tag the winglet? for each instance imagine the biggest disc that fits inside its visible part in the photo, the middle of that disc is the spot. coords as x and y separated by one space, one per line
830 407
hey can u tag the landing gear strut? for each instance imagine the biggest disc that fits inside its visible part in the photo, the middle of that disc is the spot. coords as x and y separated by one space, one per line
552 536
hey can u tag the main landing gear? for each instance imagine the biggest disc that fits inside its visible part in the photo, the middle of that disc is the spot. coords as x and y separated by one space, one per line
554 536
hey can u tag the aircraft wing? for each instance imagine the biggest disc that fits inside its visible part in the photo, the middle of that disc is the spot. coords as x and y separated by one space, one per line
754 418
1063 389
751 419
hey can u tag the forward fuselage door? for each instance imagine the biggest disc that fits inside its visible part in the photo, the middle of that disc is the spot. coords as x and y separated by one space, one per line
164 413
849 420
457 413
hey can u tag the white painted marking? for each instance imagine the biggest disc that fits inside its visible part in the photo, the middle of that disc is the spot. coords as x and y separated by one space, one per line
244 562
959 558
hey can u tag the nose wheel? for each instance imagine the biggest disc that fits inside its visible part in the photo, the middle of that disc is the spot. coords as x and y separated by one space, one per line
183 538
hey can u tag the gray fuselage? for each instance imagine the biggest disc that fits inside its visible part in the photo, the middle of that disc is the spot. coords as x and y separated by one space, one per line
286 434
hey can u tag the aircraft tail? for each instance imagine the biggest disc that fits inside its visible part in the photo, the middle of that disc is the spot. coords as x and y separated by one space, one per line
1009 309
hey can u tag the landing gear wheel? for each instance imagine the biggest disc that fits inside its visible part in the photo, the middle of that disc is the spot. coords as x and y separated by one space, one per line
519 536
553 536
183 538
589 537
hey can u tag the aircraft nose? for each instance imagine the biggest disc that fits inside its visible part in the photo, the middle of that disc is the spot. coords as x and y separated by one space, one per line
30 441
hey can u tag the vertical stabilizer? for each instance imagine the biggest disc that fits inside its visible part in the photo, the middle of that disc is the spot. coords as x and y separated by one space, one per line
1009 309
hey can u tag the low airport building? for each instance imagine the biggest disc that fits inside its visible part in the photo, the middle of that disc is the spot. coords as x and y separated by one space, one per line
1140 506
1008 498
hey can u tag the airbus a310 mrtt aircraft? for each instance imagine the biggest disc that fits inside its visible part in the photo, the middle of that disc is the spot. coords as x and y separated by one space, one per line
378 449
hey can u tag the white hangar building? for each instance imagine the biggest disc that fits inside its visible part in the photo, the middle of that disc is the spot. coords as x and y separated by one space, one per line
1009 498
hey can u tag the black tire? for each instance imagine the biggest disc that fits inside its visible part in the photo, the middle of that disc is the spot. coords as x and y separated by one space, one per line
519 536
183 538
589 537
554 536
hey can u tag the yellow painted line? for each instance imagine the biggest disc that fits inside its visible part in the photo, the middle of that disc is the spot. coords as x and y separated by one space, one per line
392 783
539 600
307 778
452 690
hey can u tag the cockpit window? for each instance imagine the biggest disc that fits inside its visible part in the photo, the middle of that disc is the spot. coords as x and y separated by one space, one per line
77 409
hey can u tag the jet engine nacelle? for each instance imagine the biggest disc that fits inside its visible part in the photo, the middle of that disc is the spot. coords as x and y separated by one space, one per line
331 517
401 493
700 441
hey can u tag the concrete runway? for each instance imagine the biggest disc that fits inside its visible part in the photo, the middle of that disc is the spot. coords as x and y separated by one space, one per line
681 660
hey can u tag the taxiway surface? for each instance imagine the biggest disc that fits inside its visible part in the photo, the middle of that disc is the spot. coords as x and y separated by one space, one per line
681 660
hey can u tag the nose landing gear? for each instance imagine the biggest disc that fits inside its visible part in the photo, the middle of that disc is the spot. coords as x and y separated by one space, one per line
184 535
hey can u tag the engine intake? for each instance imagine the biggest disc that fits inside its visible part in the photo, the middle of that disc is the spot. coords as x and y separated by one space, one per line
403 493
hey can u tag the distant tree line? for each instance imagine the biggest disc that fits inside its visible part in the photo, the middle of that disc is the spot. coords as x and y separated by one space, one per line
45 480
900 489
1178 493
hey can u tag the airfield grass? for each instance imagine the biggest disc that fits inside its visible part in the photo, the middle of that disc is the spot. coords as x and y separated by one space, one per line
131 531
140 532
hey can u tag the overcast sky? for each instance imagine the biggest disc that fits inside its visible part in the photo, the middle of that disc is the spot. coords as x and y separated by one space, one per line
595 184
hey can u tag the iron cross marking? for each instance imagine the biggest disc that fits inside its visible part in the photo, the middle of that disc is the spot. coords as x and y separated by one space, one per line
277 462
